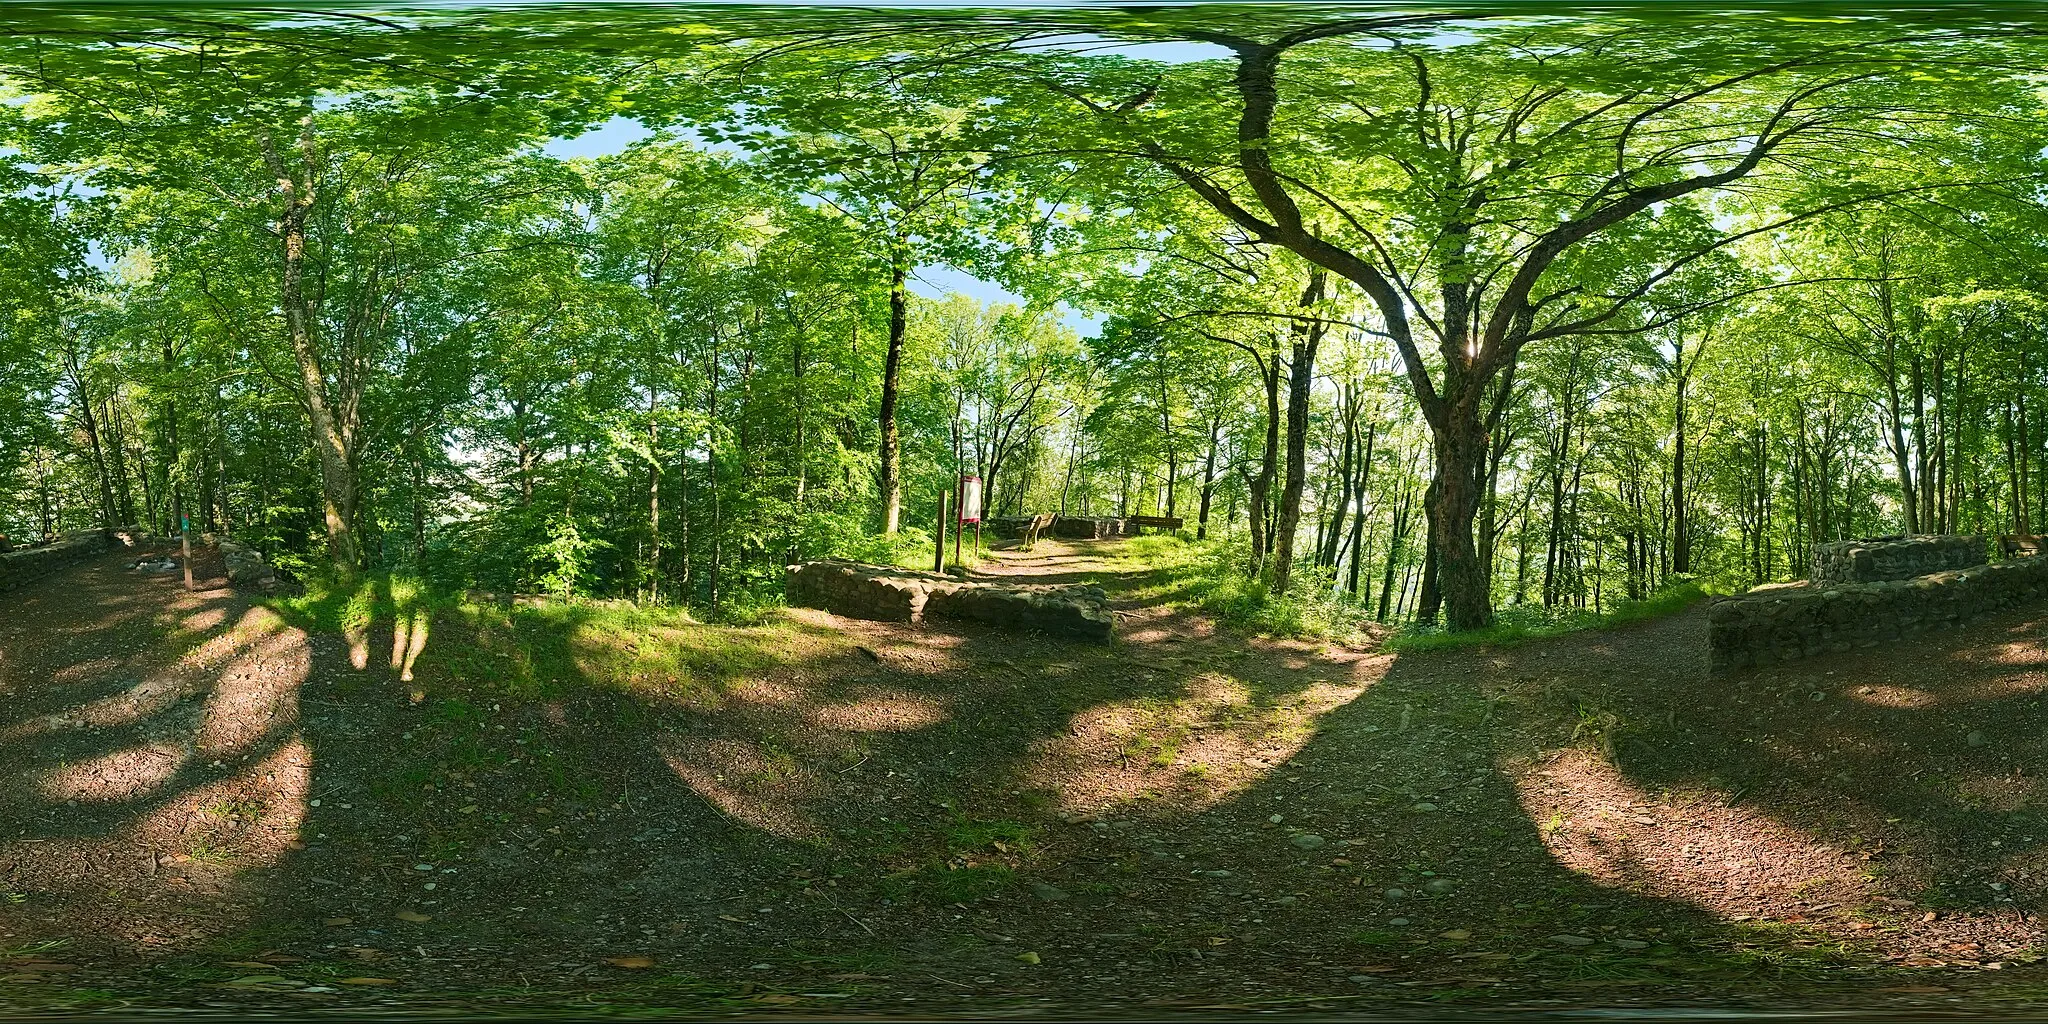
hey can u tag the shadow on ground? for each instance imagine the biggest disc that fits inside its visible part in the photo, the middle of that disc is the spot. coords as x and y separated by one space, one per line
828 813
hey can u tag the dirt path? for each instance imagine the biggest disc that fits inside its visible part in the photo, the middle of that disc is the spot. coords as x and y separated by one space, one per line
202 800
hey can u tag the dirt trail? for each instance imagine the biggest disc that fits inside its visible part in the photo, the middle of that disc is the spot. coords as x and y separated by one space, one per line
202 800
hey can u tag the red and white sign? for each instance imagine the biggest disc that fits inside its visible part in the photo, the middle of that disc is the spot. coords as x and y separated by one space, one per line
970 499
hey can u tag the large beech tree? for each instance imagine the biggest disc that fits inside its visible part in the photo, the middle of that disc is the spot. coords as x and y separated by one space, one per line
1488 186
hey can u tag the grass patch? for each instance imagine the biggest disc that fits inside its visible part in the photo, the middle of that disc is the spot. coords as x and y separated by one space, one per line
542 648
1207 576
939 885
1516 626
974 836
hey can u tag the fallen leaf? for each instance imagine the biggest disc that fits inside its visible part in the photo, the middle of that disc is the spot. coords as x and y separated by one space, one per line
1029 958
631 963
414 916
366 981
1455 933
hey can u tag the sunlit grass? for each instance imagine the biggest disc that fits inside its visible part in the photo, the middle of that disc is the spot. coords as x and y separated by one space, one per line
544 648
1516 626
1210 577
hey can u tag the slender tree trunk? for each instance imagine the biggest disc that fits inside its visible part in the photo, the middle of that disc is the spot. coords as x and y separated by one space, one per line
1261 489
1300 376
1429 599
1681 526
653 496
892 365
1397 535
90 421
1358 520
1208 477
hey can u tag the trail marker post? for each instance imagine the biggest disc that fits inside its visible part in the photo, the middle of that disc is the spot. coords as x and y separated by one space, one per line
185 538
939 555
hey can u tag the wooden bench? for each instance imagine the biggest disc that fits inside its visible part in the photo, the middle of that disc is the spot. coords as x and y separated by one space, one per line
1037 525
2018 545
1167 523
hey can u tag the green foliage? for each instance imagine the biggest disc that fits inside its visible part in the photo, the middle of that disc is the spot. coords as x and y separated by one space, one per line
1666 262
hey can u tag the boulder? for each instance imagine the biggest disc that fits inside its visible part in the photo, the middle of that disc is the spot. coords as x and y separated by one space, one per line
245 564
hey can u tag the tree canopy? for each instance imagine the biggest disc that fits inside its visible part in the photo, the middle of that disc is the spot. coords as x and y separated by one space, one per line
1410 312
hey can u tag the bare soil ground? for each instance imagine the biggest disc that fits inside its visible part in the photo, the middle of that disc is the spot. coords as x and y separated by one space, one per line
204 803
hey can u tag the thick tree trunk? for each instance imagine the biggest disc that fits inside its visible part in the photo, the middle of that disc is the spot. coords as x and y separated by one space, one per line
1460 458
332 429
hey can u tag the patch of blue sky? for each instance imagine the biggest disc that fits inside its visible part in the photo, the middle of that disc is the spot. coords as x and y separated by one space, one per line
936 281
1175 52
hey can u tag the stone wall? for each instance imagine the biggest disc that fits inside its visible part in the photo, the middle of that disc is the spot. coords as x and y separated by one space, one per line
245 565
1895 558
1797 620
1075 528
890 594
24 564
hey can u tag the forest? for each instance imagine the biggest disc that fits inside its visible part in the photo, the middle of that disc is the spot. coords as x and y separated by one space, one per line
1527 510
1412 317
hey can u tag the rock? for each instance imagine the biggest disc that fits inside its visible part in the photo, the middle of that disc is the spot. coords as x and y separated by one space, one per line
1397 922
1425 806
1307 840
890 594
1631 943
1571 940
1047 891
1218 873
1438 886
1397 893
1977 739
